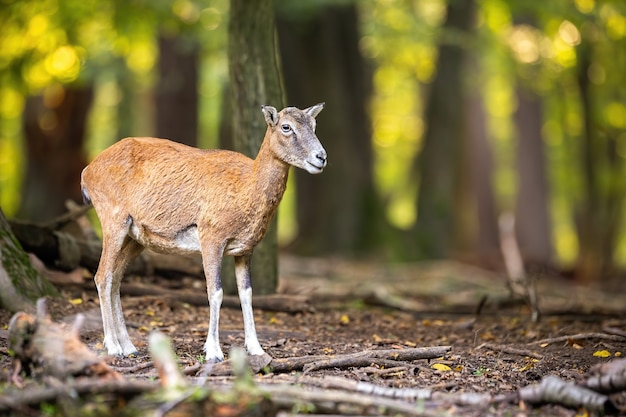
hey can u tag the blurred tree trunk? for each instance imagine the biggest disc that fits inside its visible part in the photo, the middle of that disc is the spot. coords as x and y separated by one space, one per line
440 160
254 81
486 241
338 211
54 129
176 95
599 214
532 216
20 283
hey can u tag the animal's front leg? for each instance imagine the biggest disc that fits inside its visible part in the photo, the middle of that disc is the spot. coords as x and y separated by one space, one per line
242 271
212 264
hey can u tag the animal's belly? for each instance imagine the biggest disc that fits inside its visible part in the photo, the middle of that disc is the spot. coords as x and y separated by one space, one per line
185 241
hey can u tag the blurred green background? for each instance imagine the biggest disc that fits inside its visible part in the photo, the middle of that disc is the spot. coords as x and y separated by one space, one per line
440 116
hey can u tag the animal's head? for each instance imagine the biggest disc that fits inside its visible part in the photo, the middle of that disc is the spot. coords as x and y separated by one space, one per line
293 139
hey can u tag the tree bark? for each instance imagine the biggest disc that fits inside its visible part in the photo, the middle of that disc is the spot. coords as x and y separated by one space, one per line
532 217
176 95
337 212
20 284
54 130
254 81
440 158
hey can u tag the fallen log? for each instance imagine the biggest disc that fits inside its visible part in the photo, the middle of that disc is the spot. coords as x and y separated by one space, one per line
65 252
287 303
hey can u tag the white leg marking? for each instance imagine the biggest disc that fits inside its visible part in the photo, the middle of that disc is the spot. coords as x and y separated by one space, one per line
212 349
242 271
252 342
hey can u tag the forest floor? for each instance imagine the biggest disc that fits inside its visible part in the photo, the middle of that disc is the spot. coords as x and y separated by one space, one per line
358 306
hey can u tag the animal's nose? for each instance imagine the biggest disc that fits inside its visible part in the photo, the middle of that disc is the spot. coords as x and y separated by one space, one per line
321 155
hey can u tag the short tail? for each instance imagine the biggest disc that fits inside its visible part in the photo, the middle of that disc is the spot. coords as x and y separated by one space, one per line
85 194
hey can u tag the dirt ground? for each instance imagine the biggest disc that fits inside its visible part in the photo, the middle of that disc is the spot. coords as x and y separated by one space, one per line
496 351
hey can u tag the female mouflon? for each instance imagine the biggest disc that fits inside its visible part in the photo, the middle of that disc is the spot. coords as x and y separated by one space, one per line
158 194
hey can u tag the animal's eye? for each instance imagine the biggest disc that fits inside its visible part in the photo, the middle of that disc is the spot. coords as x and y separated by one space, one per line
285 128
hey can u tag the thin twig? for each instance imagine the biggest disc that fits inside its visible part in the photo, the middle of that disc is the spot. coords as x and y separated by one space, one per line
510 350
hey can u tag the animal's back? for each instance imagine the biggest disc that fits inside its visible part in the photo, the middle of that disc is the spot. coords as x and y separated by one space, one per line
163 186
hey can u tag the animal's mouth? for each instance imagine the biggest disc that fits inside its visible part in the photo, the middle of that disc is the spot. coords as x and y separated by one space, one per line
315 168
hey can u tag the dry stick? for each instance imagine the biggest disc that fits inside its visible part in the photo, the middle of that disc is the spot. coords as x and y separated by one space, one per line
615 331
519 281
608 377
345 384
553 390
388 358
510 350
341 402
580 336
36 396
275 302
359 359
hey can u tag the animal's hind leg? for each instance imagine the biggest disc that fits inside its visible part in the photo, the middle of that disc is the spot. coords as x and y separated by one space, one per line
242 271
118 250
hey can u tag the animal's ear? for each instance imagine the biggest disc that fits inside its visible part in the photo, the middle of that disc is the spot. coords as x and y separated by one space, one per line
271 115
313 111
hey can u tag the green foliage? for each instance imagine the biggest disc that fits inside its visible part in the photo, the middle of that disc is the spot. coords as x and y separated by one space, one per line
534 45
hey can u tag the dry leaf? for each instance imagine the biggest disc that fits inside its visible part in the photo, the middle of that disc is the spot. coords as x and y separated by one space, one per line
602 354
440 367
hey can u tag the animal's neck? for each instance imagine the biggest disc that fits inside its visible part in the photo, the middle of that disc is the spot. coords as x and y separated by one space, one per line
270 174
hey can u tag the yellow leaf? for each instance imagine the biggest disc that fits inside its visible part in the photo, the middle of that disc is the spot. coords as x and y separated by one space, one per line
344 319
440 367
618 354
526 367
76 301
602 353
376 338
576 346
274 320
543 345
150 313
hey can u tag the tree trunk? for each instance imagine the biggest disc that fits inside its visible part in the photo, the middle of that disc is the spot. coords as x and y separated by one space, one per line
440 158
486 241
599 214
176 95
54 130
532 217
254 81
337 212
20 284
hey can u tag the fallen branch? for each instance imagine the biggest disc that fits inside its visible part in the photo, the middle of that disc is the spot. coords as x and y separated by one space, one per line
13 399
390 358
553 390
63 251
345 384
510 350
608 377
580 336
341 402
276 302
